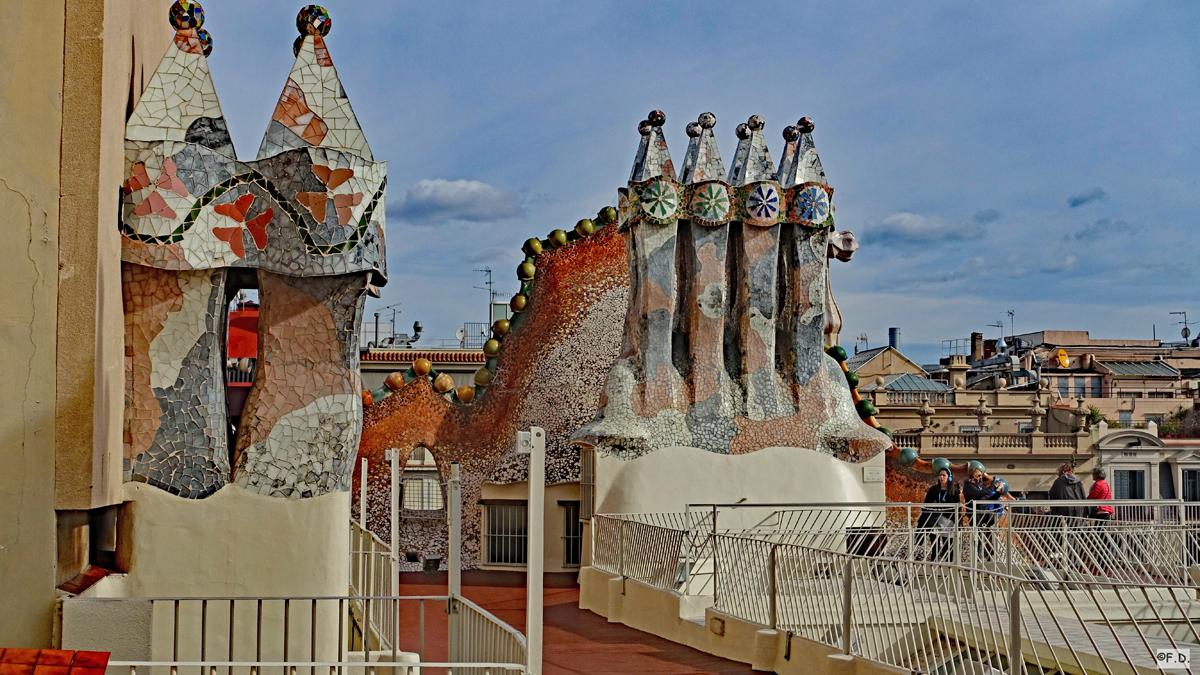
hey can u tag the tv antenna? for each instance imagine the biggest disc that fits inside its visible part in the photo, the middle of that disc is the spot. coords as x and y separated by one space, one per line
1012 330
863 339
1186 332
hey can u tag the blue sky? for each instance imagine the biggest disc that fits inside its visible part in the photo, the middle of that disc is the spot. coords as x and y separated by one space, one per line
1034 156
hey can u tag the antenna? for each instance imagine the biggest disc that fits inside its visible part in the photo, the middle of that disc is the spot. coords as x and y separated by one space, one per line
863 339
490 287
1186 332
1012 330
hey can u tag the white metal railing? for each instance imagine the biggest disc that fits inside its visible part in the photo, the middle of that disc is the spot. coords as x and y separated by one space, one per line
875 579
371 566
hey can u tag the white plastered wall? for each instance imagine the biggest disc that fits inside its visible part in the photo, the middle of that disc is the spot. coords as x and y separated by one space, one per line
232 544
669 479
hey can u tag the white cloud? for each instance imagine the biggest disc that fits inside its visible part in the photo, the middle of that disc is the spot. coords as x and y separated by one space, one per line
914 228
437 200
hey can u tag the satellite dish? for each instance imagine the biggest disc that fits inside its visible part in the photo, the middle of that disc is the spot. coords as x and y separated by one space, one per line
461 334
1186 332
1063 360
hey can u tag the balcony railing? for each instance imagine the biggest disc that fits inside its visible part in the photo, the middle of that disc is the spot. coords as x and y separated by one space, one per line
1032 443
1035 594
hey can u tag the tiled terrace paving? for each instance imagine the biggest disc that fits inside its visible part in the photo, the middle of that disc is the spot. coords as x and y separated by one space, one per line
576 640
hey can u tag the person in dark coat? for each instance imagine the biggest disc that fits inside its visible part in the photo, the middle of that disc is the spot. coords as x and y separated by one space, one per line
981 487
1068 486
938 521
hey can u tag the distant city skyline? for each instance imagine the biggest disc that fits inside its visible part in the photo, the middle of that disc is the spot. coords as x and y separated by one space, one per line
1037 157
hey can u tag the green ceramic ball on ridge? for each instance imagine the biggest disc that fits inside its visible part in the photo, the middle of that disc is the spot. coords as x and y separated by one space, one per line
501 327
558 238
885 431
491 347
607 215
975 464
525 271
483 377
585 227
865 408
852 379
942 463
837 353
907 456
518 302
532 247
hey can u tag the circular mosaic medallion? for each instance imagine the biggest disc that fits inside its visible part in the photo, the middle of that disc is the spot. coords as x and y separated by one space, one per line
811 205
660 200
710 204
763 203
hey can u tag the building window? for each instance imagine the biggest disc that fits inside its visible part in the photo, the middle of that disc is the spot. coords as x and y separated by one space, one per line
507 532
1191 486
969 429
1129 484
1161 394
587 483
1024 427
1064 387
421 493
1157 419
1125 417
1097 387
572 534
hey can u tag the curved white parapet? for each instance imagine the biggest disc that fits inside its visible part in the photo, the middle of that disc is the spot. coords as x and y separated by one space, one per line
669 479
236 543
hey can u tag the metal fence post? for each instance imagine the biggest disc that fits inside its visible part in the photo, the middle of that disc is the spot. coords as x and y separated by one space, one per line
912 554
1016 661
454 565
621 549
846 604
771 580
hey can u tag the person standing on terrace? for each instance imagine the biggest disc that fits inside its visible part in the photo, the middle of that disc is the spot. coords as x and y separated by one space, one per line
1100 490
937 522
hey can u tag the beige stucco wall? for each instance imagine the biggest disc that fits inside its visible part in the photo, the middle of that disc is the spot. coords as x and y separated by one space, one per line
31 79
669 479
236 542
554 520
111 48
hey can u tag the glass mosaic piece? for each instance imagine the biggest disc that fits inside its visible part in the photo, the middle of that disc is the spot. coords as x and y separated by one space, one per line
185 14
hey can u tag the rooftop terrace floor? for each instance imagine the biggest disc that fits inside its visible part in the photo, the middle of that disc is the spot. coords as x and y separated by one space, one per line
576 640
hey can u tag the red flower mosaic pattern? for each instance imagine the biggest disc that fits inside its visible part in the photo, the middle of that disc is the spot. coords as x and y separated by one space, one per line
317 202
154 202
257 226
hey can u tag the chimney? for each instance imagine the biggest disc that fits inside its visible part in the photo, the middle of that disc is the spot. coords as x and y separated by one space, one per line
976 347
894 338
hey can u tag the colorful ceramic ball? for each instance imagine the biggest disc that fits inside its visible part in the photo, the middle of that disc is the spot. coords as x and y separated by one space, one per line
756 122
742 131
185 14
525 271
585 227
694 129
297 44
791 134
491 348
483 377
367 398
313 20
907 456
532 247
518 302
501 327
942 463
557 238
422 367
805 125
707 120
865 408
205 41
607 215
394 381
443 383
852 379
644 127
837 352
465 393
885 431
975 464
656 118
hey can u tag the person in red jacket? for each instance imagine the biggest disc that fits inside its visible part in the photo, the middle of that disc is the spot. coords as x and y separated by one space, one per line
1100 490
